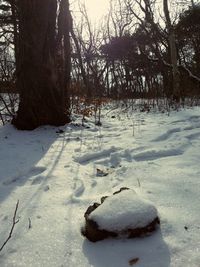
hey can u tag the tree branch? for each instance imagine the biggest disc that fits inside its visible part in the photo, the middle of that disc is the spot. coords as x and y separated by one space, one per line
12 228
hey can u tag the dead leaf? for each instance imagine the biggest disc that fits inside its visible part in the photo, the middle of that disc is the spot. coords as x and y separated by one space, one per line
133 261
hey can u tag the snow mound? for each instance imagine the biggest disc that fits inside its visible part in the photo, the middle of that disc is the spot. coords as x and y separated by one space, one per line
85 158
124 214
124 211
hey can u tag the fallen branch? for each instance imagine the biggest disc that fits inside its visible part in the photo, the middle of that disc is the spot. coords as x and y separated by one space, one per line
12 228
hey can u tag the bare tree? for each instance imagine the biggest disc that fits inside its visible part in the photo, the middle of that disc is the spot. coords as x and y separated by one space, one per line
173 52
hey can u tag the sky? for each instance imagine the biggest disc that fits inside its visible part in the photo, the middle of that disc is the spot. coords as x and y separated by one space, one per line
96 8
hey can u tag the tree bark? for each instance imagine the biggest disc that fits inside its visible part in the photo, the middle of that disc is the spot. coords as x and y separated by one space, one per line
173 53
43 90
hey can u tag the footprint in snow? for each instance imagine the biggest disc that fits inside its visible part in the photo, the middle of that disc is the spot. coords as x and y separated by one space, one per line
93 156
94 183
12 180
32 172
46 188
194 118
157 154
167 135
79 188
36 170
38 180
193 136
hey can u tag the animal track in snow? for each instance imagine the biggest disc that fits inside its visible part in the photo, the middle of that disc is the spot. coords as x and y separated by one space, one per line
78 191
46 188
12 180
193 136
193 127
36 170
94 183
79 188
166 135
95 155
157 154
32 172
194 118
37 180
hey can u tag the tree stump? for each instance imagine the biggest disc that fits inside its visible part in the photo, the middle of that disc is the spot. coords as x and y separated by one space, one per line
123 214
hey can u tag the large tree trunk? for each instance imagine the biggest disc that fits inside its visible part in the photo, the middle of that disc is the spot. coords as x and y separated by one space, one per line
41 83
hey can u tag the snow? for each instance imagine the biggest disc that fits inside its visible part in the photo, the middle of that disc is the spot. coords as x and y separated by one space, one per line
124 211
90 156
54 177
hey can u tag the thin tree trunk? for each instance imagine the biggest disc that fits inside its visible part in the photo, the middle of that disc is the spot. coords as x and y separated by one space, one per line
173 53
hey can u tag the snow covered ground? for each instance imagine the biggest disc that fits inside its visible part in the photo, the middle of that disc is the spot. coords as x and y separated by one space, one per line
55 175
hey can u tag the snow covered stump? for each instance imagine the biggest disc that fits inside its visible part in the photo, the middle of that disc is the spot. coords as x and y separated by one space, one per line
124 214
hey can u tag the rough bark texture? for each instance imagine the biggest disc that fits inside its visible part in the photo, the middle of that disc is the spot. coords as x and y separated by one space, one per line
93 233
41 83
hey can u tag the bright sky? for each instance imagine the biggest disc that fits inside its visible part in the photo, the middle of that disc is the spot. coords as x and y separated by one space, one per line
98 8
95 8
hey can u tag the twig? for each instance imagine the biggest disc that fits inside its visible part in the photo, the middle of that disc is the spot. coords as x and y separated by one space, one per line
139 184
133 128
29 223
12 228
